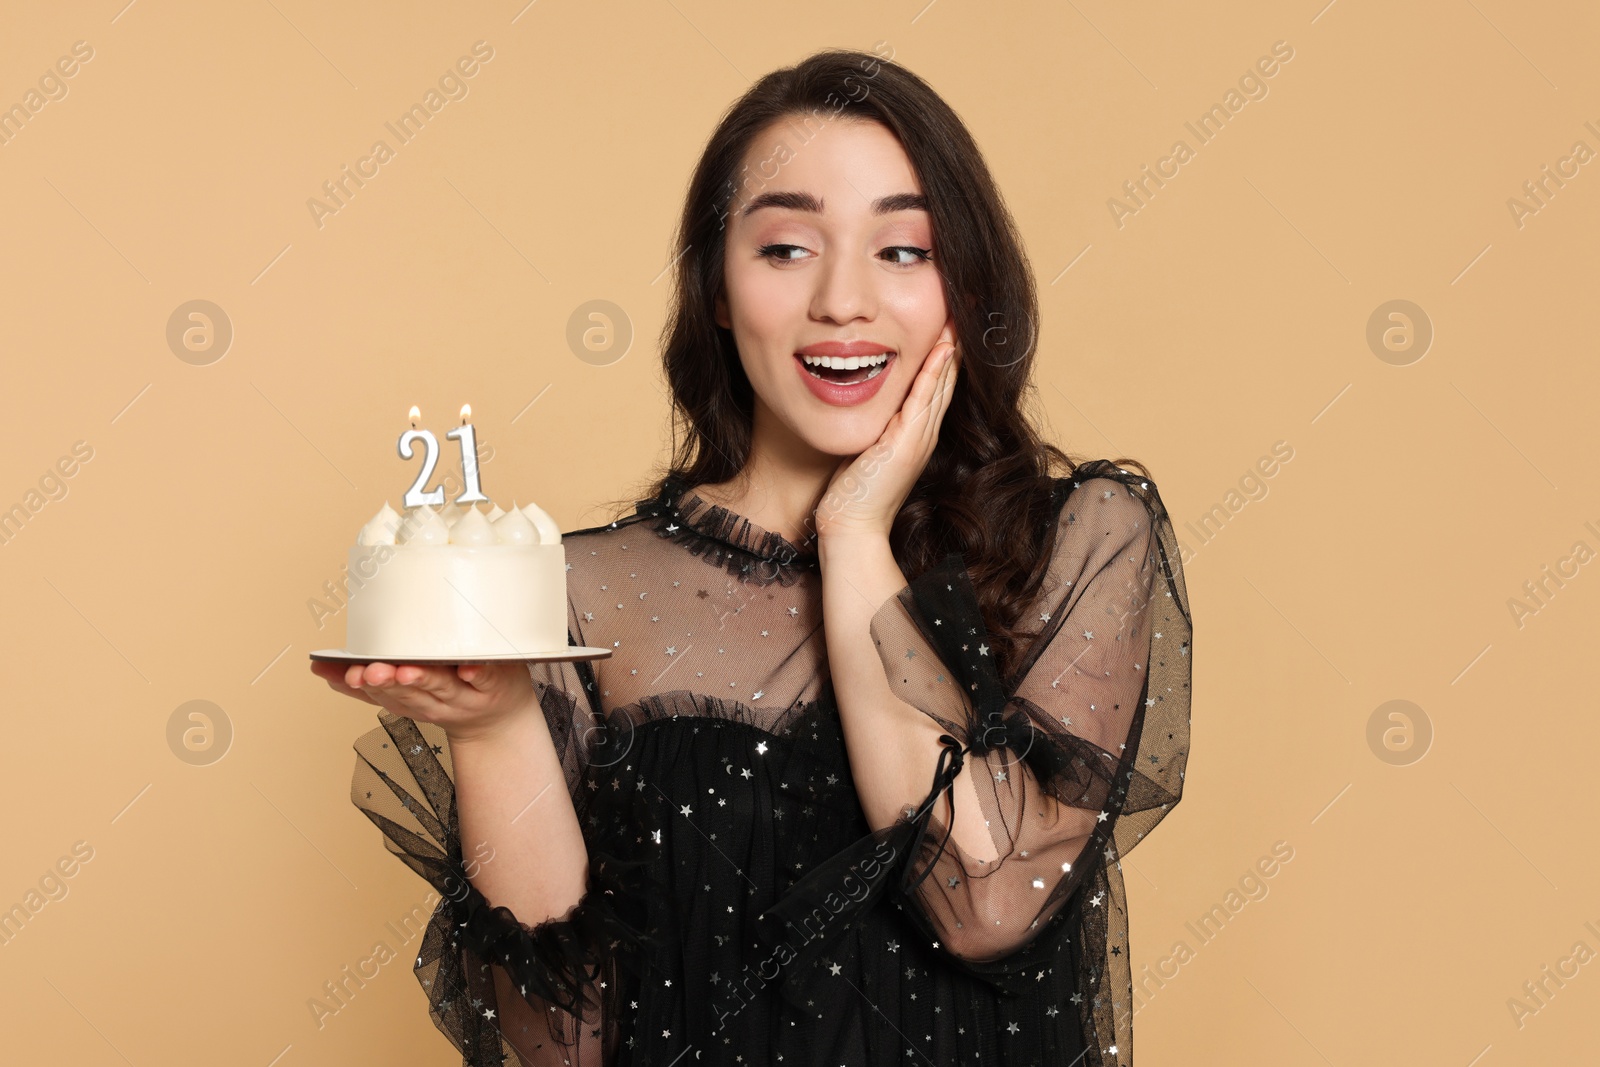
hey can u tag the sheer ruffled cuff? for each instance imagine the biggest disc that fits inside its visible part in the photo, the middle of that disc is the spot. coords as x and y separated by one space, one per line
545 994
1085 732
935 650
494 971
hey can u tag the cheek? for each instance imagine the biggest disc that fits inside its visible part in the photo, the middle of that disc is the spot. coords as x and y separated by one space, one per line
928 296
920 310
769 288
764 310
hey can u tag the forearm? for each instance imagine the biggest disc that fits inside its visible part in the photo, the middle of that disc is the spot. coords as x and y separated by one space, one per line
511 794
893 748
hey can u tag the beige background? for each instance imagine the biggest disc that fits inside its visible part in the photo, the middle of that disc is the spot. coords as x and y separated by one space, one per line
1228 314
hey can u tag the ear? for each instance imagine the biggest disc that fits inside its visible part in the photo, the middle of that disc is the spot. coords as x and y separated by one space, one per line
721 313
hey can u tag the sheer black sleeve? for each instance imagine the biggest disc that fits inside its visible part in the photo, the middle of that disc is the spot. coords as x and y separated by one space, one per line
1075 757
500 990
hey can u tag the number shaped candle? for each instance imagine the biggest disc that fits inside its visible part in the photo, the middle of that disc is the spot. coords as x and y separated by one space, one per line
415 497
465 436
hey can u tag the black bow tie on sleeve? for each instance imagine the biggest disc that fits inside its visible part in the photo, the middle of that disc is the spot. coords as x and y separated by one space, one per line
944 606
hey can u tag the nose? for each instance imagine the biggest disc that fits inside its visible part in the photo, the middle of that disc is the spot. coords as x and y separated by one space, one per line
844 291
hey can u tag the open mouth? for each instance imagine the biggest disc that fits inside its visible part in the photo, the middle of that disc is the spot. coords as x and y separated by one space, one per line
846 370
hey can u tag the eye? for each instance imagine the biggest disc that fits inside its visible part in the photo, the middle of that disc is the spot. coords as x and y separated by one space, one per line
779 253
920 255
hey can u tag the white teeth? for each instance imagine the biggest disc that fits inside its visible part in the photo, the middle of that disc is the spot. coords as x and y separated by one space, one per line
846 362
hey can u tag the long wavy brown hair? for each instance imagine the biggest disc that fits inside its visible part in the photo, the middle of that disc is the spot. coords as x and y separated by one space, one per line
986 491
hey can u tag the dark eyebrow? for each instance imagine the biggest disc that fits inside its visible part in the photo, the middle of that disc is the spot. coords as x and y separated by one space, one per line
806 202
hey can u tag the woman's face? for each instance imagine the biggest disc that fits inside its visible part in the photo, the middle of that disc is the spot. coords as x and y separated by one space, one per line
829 254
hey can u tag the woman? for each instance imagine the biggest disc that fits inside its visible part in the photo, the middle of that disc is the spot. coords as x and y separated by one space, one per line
809 812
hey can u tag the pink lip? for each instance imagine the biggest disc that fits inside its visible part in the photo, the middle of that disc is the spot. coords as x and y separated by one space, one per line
843 396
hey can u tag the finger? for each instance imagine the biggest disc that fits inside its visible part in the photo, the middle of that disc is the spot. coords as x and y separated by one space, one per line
402 688
929 371
945 396
334 675
439 683
474 675
484 677
948 366
941 399
936 406
397 674
923 389
375 674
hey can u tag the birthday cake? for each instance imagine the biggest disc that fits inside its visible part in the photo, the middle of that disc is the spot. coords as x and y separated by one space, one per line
457 582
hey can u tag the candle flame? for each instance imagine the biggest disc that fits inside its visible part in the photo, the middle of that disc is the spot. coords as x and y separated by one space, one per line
466 413
416 413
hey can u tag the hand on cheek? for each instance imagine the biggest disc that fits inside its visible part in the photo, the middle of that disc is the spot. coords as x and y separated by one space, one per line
866 493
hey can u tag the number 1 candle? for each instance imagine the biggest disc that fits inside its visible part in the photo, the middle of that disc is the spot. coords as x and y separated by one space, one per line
467 437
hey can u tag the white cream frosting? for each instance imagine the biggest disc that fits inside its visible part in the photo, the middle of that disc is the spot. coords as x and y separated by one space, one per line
455 525
489 583
472 529
549 532
423 526
380 530
513 528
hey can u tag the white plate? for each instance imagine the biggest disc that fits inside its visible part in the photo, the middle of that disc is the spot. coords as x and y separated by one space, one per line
572 652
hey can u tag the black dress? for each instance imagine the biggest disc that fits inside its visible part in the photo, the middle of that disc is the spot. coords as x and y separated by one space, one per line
740 910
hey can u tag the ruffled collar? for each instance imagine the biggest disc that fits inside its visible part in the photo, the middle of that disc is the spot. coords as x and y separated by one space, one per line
688 518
